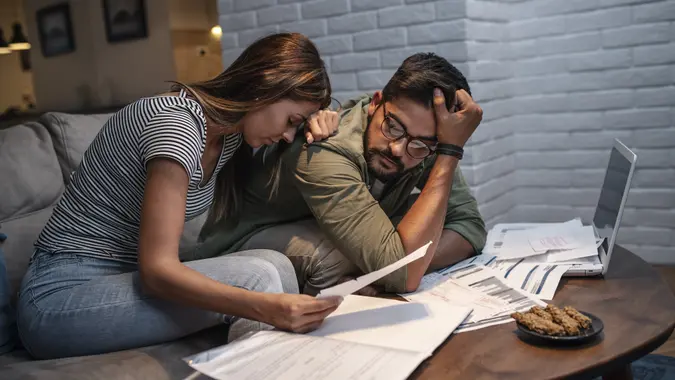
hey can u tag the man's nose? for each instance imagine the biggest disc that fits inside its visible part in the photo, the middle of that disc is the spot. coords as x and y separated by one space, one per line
398 147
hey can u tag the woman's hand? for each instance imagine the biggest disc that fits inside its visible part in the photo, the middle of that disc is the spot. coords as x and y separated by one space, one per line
321 125
297 312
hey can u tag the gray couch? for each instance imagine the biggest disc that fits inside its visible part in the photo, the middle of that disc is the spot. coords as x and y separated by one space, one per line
36 160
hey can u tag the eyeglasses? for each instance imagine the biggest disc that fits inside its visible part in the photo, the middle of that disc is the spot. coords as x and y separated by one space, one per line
393 130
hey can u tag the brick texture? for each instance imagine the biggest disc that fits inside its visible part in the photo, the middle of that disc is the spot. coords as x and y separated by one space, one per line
609 62
558 80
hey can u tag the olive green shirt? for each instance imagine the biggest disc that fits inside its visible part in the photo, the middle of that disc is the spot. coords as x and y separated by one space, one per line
330 181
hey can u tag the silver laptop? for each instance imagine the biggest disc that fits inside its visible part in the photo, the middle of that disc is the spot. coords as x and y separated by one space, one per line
609 210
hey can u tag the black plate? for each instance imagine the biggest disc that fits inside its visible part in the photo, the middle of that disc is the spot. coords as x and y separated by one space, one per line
586 334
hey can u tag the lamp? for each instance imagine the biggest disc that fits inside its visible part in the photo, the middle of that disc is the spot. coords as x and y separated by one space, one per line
217 31
19 40
4 46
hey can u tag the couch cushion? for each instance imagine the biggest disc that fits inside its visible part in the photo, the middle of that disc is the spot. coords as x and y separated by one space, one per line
30 175
21 234
164 361
72 134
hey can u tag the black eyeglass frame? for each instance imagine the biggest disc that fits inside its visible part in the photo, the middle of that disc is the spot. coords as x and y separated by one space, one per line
409 138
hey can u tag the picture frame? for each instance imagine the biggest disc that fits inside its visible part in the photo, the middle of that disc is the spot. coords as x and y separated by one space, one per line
125 20
55 30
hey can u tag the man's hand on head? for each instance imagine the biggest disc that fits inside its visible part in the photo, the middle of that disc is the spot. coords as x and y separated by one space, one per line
456 127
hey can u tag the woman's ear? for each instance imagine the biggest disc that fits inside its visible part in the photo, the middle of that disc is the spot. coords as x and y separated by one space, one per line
374 103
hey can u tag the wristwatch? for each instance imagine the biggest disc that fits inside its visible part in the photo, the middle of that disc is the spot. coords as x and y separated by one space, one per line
450 150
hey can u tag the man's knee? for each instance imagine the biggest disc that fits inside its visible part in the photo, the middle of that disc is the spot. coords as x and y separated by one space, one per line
317 262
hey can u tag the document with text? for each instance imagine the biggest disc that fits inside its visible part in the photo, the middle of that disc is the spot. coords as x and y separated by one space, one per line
365 338
462 282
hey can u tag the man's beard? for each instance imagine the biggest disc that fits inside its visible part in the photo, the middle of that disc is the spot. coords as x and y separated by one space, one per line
371 155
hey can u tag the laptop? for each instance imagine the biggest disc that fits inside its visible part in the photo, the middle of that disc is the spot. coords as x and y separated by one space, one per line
609 210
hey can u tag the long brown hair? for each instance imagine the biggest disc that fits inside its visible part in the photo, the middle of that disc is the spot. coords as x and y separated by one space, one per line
278 66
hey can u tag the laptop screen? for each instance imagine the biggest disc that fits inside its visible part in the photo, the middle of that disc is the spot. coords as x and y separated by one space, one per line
607 212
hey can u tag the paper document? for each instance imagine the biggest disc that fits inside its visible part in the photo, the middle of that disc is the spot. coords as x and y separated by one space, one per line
495 242
280 355
541 244
567 255
365 338
390 323
539 279
352 286
560 241
462 281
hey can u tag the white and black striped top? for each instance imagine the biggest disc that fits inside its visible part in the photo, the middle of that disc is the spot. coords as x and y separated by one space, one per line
100 210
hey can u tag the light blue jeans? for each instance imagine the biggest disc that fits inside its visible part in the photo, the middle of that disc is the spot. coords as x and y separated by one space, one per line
72 305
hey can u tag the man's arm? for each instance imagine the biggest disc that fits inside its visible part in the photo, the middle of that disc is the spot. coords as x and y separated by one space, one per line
464 231
333 189
426 218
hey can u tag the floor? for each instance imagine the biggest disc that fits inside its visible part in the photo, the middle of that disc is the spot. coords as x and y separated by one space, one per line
668 273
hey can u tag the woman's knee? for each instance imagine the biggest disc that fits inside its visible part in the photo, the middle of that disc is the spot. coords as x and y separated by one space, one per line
265 275
276 265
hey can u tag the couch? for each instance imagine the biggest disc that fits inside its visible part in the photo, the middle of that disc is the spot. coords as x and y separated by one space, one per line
36 161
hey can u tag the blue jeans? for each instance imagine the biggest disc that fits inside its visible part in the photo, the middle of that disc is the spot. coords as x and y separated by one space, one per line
72 305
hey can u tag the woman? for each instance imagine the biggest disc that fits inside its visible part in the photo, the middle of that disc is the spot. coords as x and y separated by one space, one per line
106 274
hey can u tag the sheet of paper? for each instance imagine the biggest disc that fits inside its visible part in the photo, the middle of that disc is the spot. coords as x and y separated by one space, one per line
490 283
450 292
281 355
390 323
352 286
571 254
511 240
568 236
538 279
542 244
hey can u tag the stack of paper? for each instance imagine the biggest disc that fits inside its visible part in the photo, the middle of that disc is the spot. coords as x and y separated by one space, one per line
474 285
534 257
559 241
365 338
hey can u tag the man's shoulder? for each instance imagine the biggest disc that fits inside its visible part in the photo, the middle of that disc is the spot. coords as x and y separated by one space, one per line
348 141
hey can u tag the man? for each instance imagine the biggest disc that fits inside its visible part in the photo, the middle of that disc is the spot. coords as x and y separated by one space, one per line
343 206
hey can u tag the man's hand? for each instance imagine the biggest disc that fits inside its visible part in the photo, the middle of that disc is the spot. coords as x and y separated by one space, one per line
321 125
456 127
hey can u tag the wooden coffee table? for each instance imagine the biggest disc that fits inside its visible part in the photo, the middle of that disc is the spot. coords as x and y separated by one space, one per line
635 304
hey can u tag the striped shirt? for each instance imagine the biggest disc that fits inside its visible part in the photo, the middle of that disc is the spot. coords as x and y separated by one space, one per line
99 213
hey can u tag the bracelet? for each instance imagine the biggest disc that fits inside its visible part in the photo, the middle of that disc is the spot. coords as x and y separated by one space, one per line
450 150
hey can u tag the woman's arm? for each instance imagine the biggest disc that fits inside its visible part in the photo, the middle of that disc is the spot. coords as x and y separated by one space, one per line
164 276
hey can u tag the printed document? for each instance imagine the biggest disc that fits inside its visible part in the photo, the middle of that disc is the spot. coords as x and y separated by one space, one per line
420 327
539 279
281 355
365 338
494 289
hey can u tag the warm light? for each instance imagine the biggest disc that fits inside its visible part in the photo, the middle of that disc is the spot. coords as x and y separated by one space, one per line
19 46
4 50
217 31
19 40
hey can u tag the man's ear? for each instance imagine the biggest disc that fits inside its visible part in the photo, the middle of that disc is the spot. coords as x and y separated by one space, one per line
374 103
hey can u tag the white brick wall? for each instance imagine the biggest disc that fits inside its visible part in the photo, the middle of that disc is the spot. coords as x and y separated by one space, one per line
610 65
558 80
